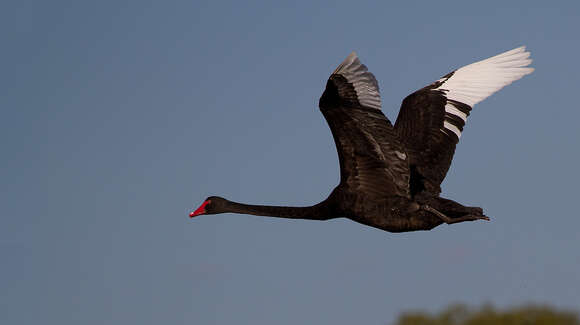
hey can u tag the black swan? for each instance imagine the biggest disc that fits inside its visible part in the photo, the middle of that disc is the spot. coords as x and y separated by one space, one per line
390 176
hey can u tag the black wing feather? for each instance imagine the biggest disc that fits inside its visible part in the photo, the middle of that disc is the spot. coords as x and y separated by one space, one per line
373 163
430 145
431 119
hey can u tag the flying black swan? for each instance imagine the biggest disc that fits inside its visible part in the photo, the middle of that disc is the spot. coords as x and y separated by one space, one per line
390 176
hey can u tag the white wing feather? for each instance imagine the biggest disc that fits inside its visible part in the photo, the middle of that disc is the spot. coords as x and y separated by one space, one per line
475 82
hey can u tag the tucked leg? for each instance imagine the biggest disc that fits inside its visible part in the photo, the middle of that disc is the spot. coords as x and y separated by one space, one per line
448 220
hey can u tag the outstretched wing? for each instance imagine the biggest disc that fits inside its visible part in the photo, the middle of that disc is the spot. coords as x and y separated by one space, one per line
373 162
431 119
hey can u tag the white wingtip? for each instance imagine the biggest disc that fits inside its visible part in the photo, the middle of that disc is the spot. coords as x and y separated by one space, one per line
474 82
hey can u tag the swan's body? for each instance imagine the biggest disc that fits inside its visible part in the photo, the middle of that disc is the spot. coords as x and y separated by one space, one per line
391 175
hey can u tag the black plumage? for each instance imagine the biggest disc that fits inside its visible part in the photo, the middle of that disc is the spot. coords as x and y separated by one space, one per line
390 176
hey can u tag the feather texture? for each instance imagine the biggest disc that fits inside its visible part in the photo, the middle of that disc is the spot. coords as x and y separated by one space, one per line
363 82
432 119
475 82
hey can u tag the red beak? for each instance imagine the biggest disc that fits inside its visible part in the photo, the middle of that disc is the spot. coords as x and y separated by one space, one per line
200 210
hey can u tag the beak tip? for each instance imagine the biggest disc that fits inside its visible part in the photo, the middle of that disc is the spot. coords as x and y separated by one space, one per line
200 210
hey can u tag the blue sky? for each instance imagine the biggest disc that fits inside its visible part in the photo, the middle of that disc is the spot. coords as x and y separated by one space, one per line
120 117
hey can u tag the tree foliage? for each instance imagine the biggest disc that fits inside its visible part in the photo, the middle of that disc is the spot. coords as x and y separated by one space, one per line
488 315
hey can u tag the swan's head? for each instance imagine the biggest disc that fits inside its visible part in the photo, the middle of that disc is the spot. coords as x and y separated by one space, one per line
211 205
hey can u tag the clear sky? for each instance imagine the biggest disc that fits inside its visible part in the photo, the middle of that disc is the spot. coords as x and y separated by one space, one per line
119 117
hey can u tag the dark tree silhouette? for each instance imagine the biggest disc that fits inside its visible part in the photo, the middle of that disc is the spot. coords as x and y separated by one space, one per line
488 315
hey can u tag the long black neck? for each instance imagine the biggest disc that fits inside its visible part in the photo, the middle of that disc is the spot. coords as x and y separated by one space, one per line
319 211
